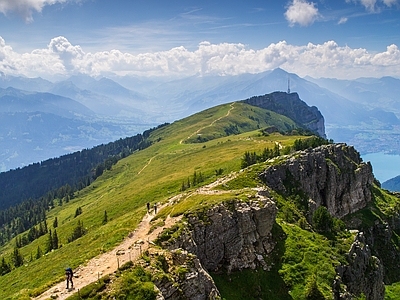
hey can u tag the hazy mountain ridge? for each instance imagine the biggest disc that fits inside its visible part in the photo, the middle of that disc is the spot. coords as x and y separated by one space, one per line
39 136
373 92
392 184
145 102
15 100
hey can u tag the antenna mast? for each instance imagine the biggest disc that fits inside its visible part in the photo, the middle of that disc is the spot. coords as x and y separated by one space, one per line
288 85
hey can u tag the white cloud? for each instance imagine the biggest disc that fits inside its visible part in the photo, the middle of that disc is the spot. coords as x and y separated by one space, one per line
374 6
389 3
369 4
25 8
301 12
61 59
343 20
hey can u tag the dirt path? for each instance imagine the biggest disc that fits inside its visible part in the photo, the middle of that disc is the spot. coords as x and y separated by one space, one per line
212 123
107 263
129 250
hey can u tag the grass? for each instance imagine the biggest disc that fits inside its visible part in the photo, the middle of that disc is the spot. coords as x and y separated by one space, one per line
309 254
152 175
155 175
392 291
299 256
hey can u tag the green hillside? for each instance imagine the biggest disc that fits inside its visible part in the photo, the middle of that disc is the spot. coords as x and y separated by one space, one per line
208 145
151 175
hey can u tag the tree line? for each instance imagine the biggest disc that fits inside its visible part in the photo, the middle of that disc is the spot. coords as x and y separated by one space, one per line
251 158
28 193
51 243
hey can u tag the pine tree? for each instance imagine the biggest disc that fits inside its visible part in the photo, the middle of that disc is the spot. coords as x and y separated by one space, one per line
79 231
45 226
55 240
105 218
4 267
17 258
39 253
49 242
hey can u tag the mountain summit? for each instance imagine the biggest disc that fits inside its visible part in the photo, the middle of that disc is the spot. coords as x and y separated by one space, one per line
291 106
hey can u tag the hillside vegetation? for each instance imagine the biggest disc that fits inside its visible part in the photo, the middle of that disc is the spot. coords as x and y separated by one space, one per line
151 175
183 156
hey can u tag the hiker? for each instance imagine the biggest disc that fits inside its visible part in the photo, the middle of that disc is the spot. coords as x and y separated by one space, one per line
69 274
148 207
155 208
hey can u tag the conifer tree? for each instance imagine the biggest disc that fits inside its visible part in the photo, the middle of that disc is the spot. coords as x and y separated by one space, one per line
17 258
4 267
39 253
55 240
49 242
105 218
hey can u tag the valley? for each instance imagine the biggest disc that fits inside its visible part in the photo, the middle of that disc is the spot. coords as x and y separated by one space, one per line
117 107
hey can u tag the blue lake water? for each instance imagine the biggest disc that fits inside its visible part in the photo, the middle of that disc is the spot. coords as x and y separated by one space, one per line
385 166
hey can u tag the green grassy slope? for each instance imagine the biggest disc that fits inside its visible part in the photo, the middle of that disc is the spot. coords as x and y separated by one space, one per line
207 143
151 175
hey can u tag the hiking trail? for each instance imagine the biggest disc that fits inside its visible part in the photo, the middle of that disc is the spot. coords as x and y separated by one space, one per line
129 250
211 124
107 263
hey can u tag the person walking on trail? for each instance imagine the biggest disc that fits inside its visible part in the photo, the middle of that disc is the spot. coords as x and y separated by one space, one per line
148 207
155 208
69 274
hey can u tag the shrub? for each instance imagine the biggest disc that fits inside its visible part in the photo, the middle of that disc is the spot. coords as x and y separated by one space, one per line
322 220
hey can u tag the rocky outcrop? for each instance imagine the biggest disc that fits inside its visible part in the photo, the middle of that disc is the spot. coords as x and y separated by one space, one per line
291 106
331 175
231 236
179 275
383 240
236 235
362 275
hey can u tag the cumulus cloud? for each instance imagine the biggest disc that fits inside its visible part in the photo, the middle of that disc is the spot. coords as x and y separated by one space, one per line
374 6
61 59
390 3
301 12
25 8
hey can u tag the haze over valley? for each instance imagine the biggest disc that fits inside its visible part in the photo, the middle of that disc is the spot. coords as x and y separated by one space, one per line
44 119
199 150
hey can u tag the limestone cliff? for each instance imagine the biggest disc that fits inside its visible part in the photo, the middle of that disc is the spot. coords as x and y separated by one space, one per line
231 236
331 175
362 275
291 106
236 235
179 275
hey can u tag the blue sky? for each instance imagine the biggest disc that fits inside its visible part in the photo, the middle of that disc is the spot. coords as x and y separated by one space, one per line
325 38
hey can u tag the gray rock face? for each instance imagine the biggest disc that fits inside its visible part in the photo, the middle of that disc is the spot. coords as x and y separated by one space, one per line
291 106
192 283
234 237
362 275
331 175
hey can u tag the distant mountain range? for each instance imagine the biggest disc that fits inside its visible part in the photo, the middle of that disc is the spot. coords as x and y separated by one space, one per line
98 110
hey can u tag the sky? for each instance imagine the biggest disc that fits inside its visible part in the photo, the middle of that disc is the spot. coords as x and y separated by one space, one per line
343 39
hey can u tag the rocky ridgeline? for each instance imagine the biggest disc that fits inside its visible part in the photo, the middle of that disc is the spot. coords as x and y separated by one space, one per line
236 235
291 106
331 175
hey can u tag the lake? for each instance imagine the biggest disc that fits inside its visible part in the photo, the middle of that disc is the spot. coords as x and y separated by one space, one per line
385 166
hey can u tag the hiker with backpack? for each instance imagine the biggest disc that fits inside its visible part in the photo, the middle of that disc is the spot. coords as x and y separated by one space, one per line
69 274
